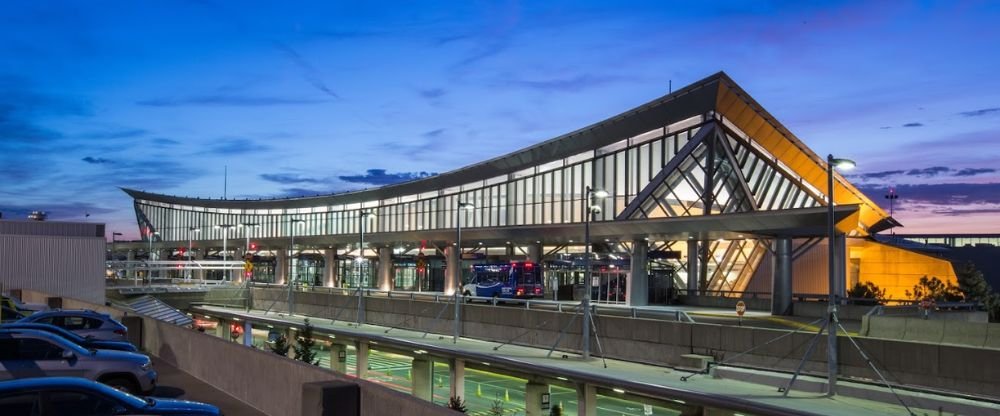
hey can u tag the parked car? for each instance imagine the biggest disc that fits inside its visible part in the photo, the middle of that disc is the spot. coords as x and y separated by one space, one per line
77 396
10 315
85 342
23 308
83 323
27 353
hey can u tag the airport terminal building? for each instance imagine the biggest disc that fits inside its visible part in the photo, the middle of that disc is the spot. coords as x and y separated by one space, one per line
699 191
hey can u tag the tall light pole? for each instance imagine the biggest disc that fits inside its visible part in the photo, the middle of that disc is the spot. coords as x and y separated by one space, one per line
149 253
831 348
589 210
114 248
225 240
363 217
892 196
294 222
462 206
191 230
247 226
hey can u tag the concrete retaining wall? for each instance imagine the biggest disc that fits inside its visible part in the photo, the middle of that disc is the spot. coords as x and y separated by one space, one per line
268 382
938 331
663 342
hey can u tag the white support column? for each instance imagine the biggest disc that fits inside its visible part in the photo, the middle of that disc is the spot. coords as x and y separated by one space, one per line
693 271
280 266
330 278
452 276
422 378
130 269
222 329
586 400
456 372
533 403
385 268
637 286
338 357
361 358
248 333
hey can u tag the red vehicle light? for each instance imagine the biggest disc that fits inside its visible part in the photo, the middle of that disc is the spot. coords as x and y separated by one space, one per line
529 265
122 332
520 291
538 290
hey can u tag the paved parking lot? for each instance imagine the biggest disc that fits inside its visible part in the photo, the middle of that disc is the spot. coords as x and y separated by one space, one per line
177 384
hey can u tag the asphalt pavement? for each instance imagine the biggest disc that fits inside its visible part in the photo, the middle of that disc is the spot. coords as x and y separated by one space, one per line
176 384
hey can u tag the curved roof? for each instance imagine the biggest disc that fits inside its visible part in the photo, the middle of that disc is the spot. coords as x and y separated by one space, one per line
717 92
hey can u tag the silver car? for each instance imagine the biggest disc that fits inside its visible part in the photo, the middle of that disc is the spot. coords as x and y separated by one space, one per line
84 323
27 353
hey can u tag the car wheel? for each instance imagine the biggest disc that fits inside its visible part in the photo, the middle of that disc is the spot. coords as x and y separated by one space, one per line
123 384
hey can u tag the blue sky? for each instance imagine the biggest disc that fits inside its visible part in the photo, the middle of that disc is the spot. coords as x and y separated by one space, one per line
312 98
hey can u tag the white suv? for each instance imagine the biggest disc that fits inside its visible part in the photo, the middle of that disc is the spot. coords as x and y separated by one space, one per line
27 353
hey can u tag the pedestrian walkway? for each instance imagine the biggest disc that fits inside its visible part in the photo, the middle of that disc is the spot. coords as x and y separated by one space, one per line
176 384
640 378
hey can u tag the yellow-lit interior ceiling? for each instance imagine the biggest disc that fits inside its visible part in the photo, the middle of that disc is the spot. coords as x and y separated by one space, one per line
739 108
894 269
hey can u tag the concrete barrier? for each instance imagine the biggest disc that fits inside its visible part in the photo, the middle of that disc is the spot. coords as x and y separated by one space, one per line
938 331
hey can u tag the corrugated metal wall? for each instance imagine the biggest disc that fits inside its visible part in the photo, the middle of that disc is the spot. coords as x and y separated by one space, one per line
65 229
808 271
64 266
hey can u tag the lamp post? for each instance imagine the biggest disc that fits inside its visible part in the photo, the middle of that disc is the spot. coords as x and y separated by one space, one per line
589 210
466 206
191 230
225 240
294 222
363 217
831 347
149 253
114 248
892 196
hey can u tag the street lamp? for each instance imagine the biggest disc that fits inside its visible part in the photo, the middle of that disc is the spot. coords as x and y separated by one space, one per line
831 349
589 210
294 222
467 206
225 240
191 230
363 217
892 196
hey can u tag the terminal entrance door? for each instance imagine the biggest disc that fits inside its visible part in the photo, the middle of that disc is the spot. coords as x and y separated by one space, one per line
661 283
608 285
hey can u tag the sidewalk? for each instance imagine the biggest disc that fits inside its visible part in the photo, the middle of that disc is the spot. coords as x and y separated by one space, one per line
176 384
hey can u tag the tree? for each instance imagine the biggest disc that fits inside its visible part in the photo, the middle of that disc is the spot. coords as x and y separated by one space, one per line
304 345
280 346
496 408
556 410
867 290
934 289
972 283
457 404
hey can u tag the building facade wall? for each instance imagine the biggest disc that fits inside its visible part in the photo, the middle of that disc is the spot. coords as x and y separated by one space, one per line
63 266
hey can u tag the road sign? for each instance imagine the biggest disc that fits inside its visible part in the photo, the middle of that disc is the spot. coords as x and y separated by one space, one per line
741 308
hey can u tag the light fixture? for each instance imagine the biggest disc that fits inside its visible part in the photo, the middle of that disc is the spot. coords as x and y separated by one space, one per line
619 391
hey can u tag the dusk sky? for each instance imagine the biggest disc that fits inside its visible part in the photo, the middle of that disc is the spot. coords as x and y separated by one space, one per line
303 99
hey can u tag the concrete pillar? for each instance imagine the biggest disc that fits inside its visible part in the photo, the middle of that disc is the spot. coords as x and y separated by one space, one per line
692 268
703 252
222 330
533 403
163 255
330 278
453 272
130 269
385 270
199 273
840 266
781 288
248 333
535 252
422 378
361 358
280 266
456 373
338 357
586 400
637 286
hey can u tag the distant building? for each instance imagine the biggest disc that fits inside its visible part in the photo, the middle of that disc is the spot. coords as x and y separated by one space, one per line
982 250
60 258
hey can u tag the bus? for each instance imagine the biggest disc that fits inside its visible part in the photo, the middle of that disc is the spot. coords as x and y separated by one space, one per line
522 280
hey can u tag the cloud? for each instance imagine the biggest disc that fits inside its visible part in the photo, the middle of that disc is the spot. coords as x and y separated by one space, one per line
878 175
955 212
980 112
96 160
928 172
287 178
913 124
114 134
577 83
434 133
236 146
165 142
968 195
380 177
309 72
973 171
433 93
224 100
